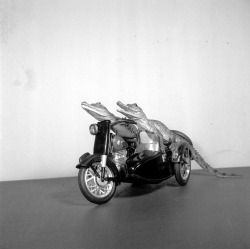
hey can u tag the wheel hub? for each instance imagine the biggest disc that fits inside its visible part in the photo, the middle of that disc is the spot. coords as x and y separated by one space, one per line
185 170
100 182
95 185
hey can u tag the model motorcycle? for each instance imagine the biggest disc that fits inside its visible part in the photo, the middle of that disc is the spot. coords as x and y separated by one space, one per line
134 159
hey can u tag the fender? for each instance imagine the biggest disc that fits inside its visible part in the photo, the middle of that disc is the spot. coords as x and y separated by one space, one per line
85 161
178 148
181 134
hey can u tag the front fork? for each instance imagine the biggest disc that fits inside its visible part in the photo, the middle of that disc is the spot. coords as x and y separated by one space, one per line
103 164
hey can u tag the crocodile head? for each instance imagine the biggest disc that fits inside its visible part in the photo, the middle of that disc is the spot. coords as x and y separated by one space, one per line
98 111
132 111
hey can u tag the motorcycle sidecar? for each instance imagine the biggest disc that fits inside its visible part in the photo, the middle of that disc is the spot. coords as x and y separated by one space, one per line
150 165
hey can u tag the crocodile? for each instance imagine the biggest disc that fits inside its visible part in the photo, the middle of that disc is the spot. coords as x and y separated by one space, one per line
134 112
125 128
99 111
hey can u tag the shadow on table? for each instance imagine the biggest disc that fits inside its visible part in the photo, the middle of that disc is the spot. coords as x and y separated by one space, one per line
137 189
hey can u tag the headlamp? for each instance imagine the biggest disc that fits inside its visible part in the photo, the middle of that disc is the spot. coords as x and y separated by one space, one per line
93 129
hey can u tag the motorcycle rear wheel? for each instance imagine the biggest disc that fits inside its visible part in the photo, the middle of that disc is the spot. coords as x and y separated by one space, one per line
91 186
183 168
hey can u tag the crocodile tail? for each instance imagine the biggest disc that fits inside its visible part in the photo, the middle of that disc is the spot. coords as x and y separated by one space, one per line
199 159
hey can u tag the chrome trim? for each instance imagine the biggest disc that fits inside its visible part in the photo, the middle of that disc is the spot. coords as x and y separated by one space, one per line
104 160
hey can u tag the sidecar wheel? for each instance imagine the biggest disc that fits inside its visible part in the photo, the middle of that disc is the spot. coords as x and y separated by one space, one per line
183 168
93 188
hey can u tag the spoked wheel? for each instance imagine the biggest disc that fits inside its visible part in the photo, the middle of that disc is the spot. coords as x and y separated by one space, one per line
92 187
183 168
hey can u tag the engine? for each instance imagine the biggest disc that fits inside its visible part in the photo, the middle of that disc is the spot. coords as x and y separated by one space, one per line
119 151
120 158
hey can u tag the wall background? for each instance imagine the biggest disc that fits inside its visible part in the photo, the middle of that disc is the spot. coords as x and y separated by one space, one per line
185 63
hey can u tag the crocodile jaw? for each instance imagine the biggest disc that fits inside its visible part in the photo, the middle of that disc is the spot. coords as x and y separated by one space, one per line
128 111
89 107
99 113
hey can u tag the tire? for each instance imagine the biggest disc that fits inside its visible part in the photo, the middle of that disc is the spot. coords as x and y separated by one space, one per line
92 187
183 168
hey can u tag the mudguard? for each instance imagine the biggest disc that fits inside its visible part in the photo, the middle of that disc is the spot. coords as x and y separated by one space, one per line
178 148
181 134
85 161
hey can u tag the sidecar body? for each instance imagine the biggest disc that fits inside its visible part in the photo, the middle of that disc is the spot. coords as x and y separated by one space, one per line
149 167
149 164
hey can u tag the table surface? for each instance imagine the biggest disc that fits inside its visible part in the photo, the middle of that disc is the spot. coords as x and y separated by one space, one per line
208 212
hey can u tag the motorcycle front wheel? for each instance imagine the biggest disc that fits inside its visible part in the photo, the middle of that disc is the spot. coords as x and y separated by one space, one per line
91 186
183 168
